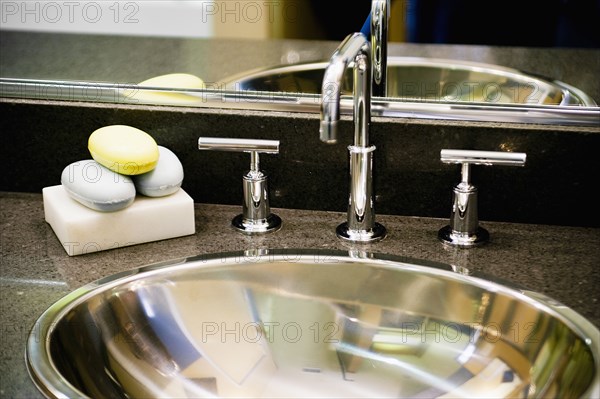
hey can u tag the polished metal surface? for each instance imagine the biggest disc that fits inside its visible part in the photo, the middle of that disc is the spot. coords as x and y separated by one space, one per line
310 323
380 14
230 95
238 145
464 230
256 216
474 157
427 79
355 49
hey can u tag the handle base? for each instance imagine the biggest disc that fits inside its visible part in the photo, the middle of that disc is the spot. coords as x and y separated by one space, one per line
454 238
378 232
257 226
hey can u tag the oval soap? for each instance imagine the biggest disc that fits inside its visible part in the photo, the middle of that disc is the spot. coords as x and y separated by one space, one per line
123 149
178 81
175 80
97 187
164 179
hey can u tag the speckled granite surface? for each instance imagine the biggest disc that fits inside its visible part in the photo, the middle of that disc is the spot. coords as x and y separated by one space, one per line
561 262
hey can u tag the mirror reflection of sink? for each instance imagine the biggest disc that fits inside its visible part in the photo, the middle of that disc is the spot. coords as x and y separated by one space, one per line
426 79
309 323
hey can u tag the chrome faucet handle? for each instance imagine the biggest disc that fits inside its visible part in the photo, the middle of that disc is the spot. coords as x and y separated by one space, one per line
464 230
256 216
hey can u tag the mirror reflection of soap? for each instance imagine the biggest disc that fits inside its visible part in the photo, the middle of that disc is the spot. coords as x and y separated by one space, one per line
168 82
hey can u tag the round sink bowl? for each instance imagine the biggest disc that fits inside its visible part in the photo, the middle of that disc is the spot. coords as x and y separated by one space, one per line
299 323
426 79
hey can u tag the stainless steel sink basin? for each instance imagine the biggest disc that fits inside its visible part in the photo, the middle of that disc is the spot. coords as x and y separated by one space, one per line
299 323
426 79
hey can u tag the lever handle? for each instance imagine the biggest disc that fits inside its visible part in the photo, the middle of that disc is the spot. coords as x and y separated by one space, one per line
256 216
238 145
464 230
483 157
472 157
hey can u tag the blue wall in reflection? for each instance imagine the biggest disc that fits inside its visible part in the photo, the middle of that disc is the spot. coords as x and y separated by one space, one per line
533 23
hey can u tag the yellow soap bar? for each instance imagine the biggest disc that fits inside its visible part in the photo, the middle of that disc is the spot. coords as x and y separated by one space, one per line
124 149
177 81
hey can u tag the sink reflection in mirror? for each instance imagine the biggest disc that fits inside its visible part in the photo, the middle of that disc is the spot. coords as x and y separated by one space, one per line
426 79
306 323
417 87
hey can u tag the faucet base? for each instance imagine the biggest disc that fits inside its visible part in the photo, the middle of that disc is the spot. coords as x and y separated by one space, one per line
463 240
378 232
247 226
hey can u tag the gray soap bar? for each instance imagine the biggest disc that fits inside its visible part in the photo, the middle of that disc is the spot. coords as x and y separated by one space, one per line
97 187
164 179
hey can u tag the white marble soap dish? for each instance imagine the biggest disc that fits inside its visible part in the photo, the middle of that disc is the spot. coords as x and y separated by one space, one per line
82 230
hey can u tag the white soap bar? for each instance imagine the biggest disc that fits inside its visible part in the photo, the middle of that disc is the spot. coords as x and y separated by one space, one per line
82 230
164 179
97 187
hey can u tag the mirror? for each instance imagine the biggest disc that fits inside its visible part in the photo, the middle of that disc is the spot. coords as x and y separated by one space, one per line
104 51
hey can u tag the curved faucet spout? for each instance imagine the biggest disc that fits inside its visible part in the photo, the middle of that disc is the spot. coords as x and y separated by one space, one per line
356 50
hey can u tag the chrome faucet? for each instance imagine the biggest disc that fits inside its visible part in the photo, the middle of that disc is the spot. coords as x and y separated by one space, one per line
380 15
356 50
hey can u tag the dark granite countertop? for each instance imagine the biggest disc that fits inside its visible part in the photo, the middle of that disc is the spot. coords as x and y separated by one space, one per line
561 262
